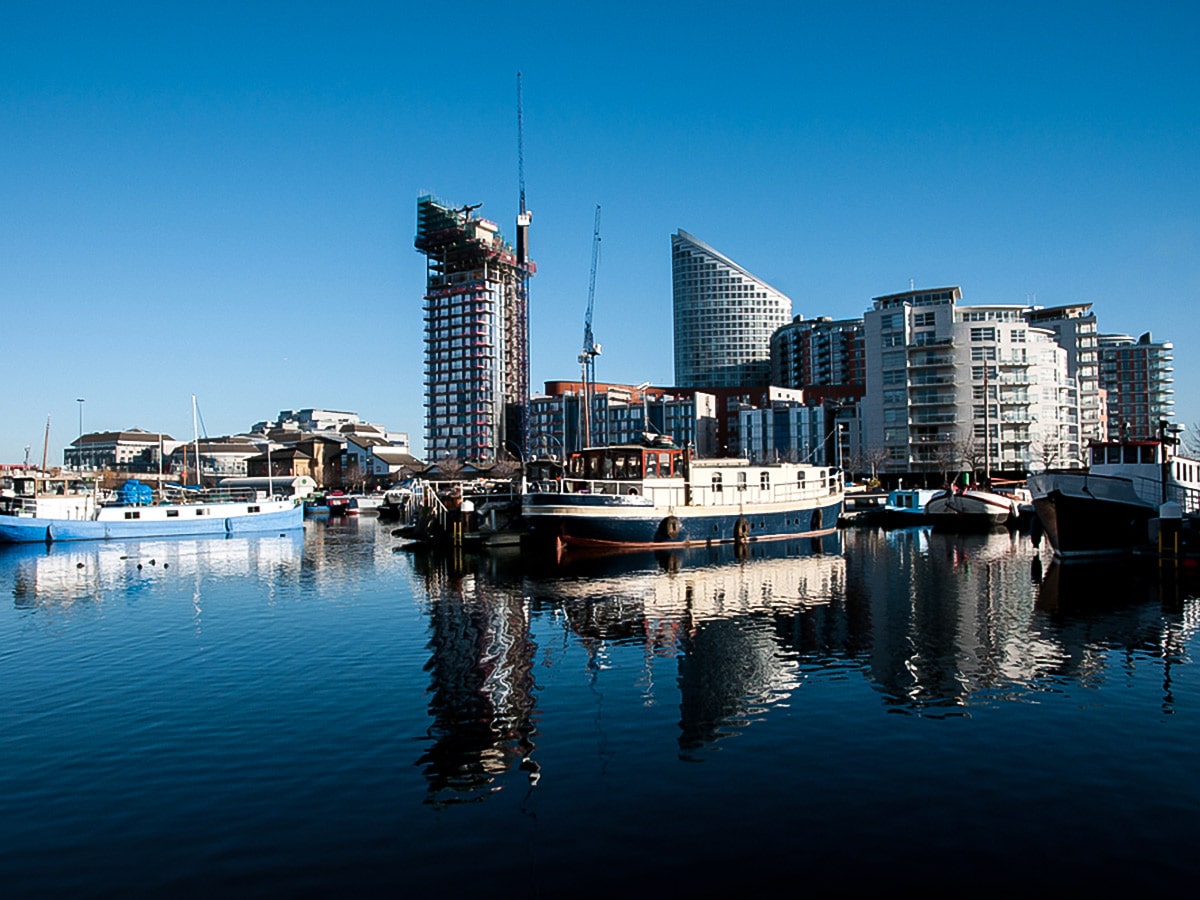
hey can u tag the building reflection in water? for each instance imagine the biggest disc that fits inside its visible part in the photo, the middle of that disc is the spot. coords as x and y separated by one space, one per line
935 623
481 679
59 576
737 619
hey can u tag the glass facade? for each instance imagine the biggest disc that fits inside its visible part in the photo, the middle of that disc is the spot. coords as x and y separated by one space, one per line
724 318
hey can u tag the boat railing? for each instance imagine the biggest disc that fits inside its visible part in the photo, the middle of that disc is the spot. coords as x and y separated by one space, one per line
613 487
1150 489
704 493
178 495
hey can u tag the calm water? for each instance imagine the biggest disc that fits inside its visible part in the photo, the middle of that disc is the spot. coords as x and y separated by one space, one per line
325 715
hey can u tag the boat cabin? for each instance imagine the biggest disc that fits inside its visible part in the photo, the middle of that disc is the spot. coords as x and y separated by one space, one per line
1128 453
1151 468
627 462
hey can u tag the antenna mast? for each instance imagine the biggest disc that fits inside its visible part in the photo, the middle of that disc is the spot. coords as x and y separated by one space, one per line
521 306
520 145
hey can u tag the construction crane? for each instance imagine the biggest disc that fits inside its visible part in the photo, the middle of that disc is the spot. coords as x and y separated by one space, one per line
587 359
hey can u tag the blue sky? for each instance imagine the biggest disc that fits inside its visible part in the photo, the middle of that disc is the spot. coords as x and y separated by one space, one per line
219 199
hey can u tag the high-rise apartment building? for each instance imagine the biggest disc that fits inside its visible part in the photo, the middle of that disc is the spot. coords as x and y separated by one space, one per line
723 318
1138 378
1074 329
821 351
952 388
476 333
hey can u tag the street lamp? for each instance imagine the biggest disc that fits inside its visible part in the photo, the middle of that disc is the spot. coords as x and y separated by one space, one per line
79 445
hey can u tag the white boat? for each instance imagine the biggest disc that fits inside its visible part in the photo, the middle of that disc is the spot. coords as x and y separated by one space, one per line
653 494
41 508
1107 508
961 508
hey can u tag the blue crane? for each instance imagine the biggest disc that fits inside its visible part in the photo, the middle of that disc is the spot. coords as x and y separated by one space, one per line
587 359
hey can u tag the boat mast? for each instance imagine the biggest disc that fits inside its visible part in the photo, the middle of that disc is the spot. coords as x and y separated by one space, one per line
987 429
46 443
196 443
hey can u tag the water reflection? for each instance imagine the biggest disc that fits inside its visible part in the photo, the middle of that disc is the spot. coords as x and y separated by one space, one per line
64 574
481 679
733 617
935 623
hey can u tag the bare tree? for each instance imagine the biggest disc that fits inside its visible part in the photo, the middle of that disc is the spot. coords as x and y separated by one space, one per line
450 467
947 457
1048 453
1191 440
971 454
874 458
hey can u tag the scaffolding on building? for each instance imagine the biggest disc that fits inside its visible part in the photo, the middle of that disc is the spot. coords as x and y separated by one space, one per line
476 333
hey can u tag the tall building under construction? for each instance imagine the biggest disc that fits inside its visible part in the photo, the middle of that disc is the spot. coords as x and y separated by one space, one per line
476 333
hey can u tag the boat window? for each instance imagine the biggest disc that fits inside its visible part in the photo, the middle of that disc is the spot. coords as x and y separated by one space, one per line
741 481
133 514
606 467
800 477
619 468
1131 454
651 465
716 482
1148 454
764 480
634 464
172 514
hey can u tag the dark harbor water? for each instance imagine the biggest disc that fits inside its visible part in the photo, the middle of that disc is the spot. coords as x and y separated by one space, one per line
322 715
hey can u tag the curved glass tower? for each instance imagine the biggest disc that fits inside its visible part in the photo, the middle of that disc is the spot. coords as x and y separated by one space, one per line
723 316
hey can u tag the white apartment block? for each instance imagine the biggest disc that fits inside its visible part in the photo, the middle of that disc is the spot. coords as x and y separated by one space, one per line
955 388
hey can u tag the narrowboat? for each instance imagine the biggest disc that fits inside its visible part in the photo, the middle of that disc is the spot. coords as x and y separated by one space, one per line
655 494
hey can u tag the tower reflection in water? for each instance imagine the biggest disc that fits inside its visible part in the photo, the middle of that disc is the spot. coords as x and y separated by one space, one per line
933 622
729 615
481 679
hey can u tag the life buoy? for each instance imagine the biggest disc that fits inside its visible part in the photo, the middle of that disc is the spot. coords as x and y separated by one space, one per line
671 527
741 529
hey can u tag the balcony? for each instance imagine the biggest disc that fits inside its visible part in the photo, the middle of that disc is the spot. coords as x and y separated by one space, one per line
947 399
934 419
932 381
930 360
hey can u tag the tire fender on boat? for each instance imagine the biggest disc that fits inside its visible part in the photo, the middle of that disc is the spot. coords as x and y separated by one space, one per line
671 527
741 529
